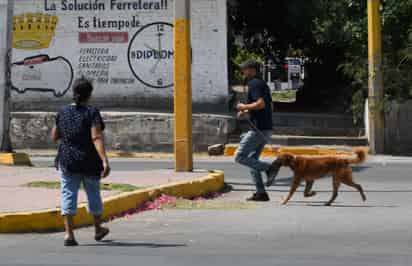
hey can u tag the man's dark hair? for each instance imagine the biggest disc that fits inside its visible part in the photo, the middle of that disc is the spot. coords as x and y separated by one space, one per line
82 90
251 64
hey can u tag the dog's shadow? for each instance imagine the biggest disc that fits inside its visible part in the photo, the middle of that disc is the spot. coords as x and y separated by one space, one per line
358 169
299 203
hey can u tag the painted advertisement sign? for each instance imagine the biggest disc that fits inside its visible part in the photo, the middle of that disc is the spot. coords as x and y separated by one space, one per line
124 46
56 41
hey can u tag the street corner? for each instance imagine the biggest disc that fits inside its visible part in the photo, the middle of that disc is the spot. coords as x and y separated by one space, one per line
15 159
49 220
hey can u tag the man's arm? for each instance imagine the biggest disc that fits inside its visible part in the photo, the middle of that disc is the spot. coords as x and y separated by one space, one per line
258 105
256 97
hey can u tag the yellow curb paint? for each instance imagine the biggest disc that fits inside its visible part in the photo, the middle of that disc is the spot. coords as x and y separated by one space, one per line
268 151
139 155
230 150
11 159
50 220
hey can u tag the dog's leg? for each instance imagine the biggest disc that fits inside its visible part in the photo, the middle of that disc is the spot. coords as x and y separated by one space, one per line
347 180
336 184
293 187
308 189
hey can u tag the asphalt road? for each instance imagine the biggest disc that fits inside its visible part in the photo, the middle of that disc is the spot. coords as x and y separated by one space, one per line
377 232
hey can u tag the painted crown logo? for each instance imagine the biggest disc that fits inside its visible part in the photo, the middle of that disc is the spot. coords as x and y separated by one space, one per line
33 31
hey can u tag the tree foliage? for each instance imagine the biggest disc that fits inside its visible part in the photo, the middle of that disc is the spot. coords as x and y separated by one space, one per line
333 35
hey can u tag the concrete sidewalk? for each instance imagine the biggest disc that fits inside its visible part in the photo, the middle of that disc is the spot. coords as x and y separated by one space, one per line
16 197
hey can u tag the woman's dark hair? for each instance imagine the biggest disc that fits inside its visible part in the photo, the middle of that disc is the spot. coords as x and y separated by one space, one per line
82 90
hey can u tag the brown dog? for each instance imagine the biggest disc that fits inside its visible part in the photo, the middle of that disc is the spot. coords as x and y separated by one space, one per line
310 169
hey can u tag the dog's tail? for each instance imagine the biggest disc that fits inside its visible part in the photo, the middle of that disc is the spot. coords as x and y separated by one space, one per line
360 157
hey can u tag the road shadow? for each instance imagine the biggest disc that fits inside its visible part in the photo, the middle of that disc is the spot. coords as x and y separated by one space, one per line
227 188
254 190
336 205
114 243
357 169
324 191
365 206
279 182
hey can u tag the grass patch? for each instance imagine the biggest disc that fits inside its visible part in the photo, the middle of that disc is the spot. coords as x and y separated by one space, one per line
43 184
286 96
118 187
103 186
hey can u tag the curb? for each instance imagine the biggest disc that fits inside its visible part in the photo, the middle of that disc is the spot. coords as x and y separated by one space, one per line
14 159
50 220
269 151
115 154
140 155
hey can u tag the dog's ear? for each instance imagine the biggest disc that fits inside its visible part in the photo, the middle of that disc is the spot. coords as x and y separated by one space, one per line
280 159
285 159
289 159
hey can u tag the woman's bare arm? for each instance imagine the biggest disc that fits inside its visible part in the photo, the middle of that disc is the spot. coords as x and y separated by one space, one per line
55 134
98 141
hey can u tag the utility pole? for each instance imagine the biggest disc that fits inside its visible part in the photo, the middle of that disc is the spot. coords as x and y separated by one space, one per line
6 26
376 115
182 87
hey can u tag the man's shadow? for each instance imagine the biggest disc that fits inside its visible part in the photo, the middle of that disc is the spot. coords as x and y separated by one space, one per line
279 182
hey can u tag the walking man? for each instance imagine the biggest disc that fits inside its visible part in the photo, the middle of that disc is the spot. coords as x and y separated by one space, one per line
258 110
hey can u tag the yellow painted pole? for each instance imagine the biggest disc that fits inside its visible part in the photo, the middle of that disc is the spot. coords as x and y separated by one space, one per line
182 87
376 116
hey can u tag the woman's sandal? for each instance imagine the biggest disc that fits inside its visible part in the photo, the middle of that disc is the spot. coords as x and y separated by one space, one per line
102 234
70 243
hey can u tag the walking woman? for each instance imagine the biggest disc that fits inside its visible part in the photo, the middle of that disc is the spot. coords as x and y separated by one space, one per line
81 158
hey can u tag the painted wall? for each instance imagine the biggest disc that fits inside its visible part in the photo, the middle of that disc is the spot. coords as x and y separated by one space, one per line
125 46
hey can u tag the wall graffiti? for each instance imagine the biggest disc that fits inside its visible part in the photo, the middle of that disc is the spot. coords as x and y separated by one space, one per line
33 32
150 45
42 74
50 50
124 46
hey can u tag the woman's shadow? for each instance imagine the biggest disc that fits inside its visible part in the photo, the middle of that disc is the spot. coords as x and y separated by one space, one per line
114 243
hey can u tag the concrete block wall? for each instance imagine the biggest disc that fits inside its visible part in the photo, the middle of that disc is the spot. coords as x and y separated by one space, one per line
125 131
316 124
